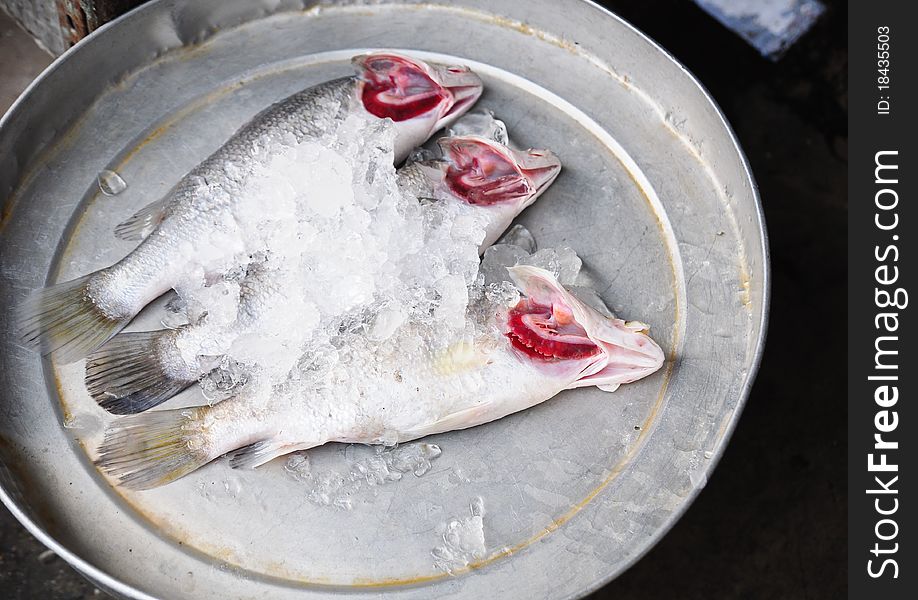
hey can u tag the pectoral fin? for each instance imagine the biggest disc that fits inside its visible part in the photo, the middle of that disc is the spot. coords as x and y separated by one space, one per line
143 222
462 419
263 451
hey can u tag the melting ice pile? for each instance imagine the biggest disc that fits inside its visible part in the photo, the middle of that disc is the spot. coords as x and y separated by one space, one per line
518 247
463 540
344 260
345 251
338 488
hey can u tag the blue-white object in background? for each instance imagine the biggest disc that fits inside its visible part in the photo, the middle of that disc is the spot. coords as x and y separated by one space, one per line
771 26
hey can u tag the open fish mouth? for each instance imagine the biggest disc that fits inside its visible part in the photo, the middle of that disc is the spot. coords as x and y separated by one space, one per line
484 172
401 88
551 323
548 332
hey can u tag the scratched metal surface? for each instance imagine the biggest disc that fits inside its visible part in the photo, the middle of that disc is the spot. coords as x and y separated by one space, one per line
655 197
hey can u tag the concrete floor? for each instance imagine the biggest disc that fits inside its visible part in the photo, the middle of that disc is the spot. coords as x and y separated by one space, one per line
771 523
20 61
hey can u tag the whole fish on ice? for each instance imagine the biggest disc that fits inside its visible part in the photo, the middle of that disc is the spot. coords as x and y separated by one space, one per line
195 227
139 370
406 388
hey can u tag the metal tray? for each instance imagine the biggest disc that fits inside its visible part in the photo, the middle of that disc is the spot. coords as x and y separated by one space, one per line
656 197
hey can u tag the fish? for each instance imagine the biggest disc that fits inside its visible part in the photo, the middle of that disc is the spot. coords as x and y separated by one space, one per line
71 319
395 392
136 371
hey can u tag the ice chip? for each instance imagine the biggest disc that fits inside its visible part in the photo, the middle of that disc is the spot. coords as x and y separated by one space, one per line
175 315
497 258
224 381
383 466
422 154
314 364
562 262
481 123
235 274
298 465
502 293
591 298
220 302
82 424
414 458
386 322
110 183
453 300
463 540
518 235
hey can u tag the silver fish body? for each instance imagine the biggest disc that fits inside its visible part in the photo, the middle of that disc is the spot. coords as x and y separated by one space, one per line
395 392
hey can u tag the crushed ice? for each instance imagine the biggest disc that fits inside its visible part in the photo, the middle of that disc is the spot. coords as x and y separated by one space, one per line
462 540
339 488
224 381
518 247
481 123
518 235
344 251
110 183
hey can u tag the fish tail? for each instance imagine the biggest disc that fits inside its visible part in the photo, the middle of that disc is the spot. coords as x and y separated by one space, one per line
155 448
64 321
128 375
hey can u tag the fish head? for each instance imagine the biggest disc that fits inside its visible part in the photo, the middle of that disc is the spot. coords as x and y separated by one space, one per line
484 173
420 97
561 335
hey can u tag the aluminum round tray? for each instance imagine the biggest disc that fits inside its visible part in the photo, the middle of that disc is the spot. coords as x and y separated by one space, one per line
655 196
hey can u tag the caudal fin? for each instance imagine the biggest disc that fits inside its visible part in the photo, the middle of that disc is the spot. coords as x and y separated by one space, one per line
62 320
128 375
153 449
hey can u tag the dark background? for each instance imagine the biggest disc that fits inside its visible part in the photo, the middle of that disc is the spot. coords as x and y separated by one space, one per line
771 523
